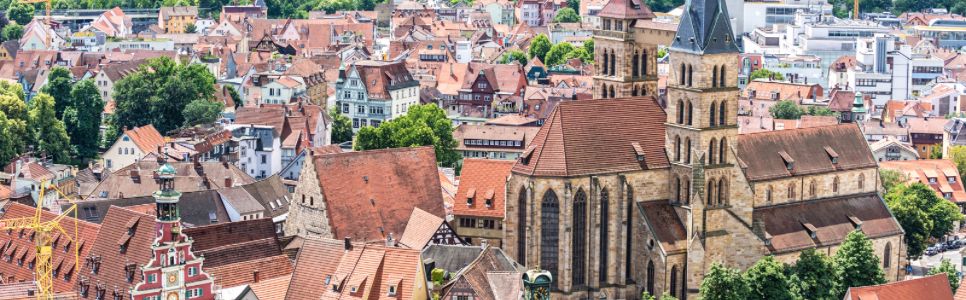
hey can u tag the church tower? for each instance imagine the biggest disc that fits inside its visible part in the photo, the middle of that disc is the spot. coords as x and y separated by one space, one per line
174 272
626 59
702 130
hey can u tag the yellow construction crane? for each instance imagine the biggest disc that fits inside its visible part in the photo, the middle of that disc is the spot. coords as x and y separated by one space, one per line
43 231
49 21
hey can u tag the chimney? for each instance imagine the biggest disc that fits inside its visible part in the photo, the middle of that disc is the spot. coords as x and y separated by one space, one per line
255 276
347 243
389 240
228 182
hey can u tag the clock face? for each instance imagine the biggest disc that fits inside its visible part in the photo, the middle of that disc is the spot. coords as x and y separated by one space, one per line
172 296
172 278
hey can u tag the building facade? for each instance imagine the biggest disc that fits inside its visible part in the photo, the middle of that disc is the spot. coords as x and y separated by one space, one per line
372 92
627 55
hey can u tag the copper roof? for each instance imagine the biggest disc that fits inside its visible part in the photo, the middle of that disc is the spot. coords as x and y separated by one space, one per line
596 136
486 177
370 194
935 287
831 219
760 159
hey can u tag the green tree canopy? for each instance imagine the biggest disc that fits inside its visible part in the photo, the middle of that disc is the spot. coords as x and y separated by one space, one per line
664 5
813 276
423 125
890 179
766 280
557 53
723 283
539 47
83 118
190 28
958 155
12 32
579 53
47 132
589 46
20 12
765 73
950 270
820 111
514 55
786 110
341 126
856 263
8 142
201 111
922 215
59 86
567 15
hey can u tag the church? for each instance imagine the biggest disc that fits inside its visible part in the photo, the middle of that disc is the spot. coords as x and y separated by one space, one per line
625 194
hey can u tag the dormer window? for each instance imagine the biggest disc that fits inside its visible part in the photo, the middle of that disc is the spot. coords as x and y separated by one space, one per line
832 155
951 179
812 231
789 162
947 195
932 180
392 291
469 196
354 289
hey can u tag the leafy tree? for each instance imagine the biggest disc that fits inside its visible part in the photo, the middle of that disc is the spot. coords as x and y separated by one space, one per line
539 47
341 126
83 118
8 142
936 153
786 110
514 55
856 263
190 28
46 131
21 13
765 73
647 296
202 112
331 6
667 296
589 46
662 52
946 267
557 53
813 276
12 32
423 125
958 155
579 53
723 283
575 4
959 8
59 86
913 219
664 5
233 93
767 280
567 15
820 111
890 179
922 212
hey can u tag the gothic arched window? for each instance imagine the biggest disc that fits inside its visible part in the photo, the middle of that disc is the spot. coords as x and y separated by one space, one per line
674 281
887 256
722 77
604 237
710 192
722 158
634 63
650 277
644 63
612 94
628 237
711 152
677 189
684 74
791 191
812 189
722 118
579 243
549 230
712 115
690 113
690 75
606 62
677 148
722 192
522 226
835 184
714 77
861 181
687 150
687 191
613 64
680 112
768 193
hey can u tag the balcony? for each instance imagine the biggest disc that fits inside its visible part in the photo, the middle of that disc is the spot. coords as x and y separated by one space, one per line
609 34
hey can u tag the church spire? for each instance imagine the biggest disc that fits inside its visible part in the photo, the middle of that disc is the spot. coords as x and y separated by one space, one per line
705 28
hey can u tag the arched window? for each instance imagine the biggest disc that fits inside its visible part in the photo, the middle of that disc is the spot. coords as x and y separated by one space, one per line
690 75
835 184
887 256
612 95
677 189
768 192
634 63
710 192
722 158
628 237
650 277
604 236
714 77
711 151
684 74
687 150
722 118
579 236
680 112
634 91
722 192
613 64
712 115
606 62
674 281
677 148
861 181
690 113
722 77
811 189
791 191
687 191
549 238
644 63
522 226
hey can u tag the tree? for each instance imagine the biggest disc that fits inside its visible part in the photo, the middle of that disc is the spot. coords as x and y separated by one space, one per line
891 179
581 54
59 86
958 155
12 32
766 280
786 110
8 142
575 4
820 111
539 47
557 53
959 8
662 52
589 46
946 267
936 153
423 125
765 73
567 15
647 296
83 118
667 296
813 276
664 5
514 55
202 112
922 215
233 93
856 263
341 127
190 28
723 283
20 12
48 133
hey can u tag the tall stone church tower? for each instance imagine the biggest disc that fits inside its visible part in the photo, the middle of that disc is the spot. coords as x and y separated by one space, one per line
626 56
702 130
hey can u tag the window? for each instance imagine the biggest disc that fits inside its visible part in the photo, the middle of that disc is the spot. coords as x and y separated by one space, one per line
192 271
360 109
467 222
489 224
152 278
392 291
604 236
549 230
768 193
861 181
791 191
522 224
345 108
887 256
951 179
264 158
578 236
835 184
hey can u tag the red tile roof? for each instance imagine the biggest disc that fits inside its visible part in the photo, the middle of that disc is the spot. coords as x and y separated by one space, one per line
937 169
21 242
370 269
421 228
146 138
935 287
245 272
760 154
370 194
272 289
485 179
112 272
597 136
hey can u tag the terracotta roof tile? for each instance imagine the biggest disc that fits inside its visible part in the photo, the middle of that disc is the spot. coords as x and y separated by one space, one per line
316 260
112 272
938 169
368 268
137 180
244 272
272 289
421 228
487 177
665 224
935 287
760 159
146 138
626 9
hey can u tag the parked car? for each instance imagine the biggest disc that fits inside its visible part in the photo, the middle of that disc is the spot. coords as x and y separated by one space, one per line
955 244
931 251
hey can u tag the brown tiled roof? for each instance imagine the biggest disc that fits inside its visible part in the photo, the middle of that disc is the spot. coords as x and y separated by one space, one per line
370 194
486 178
316 260
926 125
935 287
272 289
831 218
478 276
596 136
244 272
226 234
665 224
842 100
844 63
112 272
380 76
512 120
22 240
234 250
625 9
268 115
786 90
939 169
370 268
137 180
421 228
147 138
760 154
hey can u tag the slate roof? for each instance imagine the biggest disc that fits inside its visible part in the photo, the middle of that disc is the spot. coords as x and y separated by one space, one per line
935 287
420 229
370 194
478 275
451 258
197 208
112 273
705 28
483 180
19 244
597 136
761 154
832 219
271 193
665 225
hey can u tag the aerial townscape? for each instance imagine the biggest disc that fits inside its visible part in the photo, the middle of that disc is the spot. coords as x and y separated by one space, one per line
482 149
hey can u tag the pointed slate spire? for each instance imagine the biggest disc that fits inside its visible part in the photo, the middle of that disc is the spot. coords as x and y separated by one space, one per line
705 28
